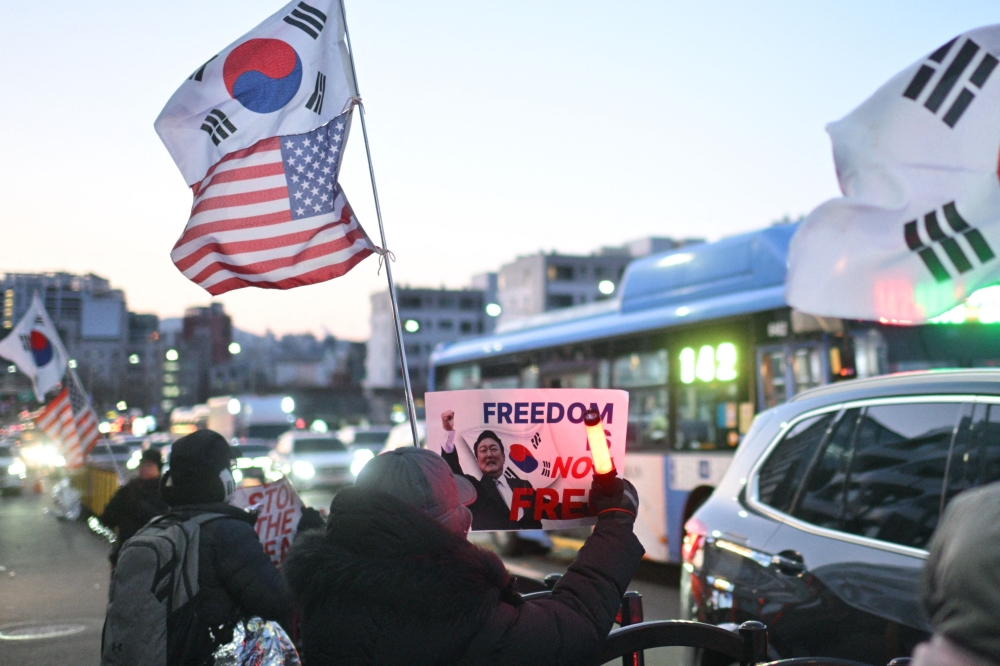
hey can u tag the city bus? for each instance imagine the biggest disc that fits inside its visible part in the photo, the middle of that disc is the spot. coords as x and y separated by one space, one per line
702 339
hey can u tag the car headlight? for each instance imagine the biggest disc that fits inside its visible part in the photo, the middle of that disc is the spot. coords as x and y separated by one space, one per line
17 469
134 461
361 458
263 463
237 475
303 469
60 461
243 463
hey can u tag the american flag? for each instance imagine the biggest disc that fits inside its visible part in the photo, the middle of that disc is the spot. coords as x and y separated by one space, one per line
273 216
70 420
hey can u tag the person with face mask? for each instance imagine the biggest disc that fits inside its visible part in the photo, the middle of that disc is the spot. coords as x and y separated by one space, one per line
393 580
236 579
136 503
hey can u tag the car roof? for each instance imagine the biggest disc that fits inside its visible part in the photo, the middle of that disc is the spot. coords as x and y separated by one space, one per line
982 381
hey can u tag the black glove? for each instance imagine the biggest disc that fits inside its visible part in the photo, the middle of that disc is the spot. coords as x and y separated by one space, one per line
615 499
311 520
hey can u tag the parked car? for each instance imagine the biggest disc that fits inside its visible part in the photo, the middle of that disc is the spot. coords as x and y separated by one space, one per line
253 461
371 437
820 527
312 459
13 471
111 455
402 435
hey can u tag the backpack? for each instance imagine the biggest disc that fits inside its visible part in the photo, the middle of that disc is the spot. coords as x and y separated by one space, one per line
152 617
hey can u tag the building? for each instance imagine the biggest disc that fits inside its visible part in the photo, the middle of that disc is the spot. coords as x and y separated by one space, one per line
487 283
193 349
430 317
98 331
537 283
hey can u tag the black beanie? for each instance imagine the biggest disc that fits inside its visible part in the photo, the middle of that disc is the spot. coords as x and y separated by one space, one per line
195 463
152 456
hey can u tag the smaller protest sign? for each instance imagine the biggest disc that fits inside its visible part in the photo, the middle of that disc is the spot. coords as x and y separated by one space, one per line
280 511
525 450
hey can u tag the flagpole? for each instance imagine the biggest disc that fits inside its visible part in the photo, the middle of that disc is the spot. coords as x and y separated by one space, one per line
410 407
79 387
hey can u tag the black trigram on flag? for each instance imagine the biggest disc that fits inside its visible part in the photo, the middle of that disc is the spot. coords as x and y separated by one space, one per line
546 468
197 76
315 102
218 126
510 474
307 19
948 241
950 76
536 440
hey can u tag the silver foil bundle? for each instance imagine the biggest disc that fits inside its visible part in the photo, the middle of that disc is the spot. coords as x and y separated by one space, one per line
257 642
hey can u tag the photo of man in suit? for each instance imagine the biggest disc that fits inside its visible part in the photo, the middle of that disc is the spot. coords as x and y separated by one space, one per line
495 490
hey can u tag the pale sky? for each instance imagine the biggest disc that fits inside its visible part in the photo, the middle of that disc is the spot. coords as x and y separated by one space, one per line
497 128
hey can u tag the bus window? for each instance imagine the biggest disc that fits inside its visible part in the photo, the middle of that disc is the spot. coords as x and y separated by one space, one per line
463 377
644 376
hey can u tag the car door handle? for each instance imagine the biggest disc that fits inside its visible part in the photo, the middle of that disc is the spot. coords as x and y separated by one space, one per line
789 562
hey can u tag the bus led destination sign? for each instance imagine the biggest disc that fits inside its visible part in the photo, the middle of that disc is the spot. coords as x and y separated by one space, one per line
709 363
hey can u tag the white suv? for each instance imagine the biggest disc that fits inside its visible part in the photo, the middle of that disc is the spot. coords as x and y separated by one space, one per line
312 459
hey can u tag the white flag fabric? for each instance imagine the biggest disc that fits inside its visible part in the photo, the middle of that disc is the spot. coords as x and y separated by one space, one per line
918 228
289 75
35 348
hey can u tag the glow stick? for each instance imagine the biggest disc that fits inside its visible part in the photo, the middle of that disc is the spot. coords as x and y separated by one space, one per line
598 442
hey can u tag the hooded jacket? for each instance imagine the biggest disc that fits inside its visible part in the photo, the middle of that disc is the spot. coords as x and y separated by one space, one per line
385 584
961 587
236 577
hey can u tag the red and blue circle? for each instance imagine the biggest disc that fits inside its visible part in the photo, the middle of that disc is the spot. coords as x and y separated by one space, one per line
41 348
262 74
522 458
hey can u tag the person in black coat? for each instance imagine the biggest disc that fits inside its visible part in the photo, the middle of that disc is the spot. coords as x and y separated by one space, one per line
135 503
393 579
494 489
236 577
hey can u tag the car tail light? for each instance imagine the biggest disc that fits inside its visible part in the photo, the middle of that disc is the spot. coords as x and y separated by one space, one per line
694 542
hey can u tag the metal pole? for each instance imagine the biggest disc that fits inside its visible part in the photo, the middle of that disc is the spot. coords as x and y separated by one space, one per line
410 407
107 443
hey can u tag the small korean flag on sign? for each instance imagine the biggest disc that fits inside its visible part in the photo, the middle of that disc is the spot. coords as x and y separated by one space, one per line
530 452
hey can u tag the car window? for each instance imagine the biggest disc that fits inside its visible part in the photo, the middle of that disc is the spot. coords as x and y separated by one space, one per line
821 498
116 449
5 452
897 471
782 473
317 445
975 460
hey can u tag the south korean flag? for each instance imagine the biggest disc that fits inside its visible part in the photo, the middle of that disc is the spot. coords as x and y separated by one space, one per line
289 75
918 228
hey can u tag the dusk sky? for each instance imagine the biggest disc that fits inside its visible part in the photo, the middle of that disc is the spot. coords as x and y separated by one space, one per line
497 129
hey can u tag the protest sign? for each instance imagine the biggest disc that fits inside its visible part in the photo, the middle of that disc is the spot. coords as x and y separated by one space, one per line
280 510
525 450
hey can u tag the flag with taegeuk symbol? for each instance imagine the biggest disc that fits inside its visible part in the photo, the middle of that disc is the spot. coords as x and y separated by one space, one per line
35 348
70 420
918 228
258 132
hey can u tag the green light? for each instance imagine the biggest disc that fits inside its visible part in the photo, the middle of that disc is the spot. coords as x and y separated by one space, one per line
725 355
982 306
687 365
709 363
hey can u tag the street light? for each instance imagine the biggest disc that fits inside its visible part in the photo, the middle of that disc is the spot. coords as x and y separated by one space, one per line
122 406
233 407
493 309
234 348
411 325
287 405
171 354
606 287
133 359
